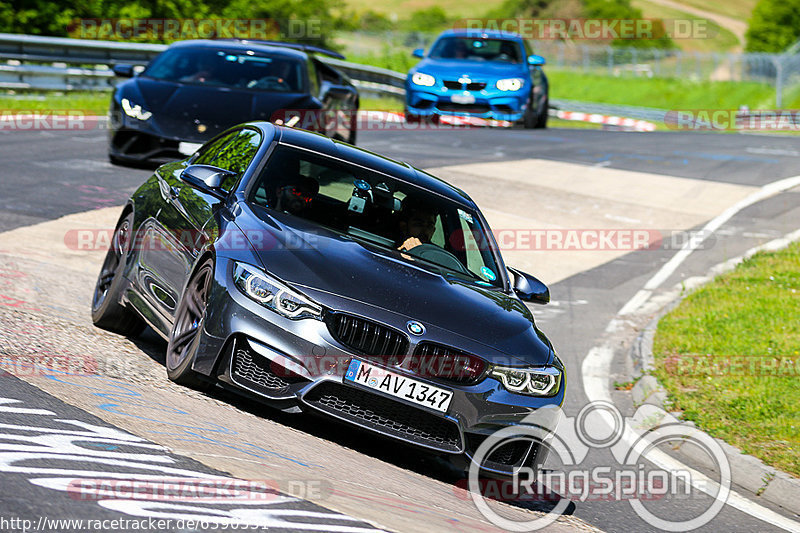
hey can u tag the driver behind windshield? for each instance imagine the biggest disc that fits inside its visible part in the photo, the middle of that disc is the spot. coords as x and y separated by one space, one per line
205 70
416 223
295 196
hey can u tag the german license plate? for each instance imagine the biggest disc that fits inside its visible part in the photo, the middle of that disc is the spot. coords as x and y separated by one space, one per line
462 99
393 384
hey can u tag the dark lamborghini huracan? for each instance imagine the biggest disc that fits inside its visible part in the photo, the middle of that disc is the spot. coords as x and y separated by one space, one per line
316 276
194 90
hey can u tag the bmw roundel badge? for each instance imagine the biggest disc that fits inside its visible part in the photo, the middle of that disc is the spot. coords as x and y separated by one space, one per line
415 328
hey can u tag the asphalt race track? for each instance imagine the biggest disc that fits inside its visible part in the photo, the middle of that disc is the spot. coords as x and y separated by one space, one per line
321 476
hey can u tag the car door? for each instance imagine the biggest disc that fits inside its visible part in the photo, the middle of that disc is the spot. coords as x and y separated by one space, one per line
183 224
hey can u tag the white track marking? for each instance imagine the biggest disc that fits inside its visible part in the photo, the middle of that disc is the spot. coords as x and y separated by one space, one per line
596 367
768 190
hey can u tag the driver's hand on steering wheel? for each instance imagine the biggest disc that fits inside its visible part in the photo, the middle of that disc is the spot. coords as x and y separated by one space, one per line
410 243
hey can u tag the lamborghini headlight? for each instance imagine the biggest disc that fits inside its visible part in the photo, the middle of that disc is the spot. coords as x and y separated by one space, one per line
135 110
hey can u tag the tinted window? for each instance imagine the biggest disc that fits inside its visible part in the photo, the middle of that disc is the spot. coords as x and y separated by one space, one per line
383 213
470 49
244 70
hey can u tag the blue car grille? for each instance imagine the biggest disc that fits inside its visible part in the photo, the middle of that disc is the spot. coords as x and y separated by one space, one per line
458 86
463 108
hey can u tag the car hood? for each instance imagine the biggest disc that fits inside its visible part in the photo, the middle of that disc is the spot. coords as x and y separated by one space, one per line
338 271
454 69
197 113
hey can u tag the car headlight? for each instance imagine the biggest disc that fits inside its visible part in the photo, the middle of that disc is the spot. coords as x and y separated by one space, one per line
136 111
545 381
273 294
510 84
426 80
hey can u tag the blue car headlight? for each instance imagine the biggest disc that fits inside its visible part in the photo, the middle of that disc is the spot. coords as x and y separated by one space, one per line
135 110
274 295
540 381
510 84
426 80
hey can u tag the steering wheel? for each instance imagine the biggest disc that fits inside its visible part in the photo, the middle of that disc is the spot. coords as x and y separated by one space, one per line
439 256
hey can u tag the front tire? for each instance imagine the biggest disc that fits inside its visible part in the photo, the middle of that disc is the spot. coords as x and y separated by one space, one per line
107 311
541 119
189 322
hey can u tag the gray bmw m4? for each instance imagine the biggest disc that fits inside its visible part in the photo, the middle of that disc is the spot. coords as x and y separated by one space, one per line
316 276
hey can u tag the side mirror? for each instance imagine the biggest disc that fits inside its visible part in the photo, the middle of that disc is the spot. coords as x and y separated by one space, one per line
419 52
207 179
528 288
123 71
339 91
536 61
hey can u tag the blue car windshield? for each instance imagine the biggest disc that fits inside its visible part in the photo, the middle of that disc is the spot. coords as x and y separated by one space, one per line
476 49
240 69
411 223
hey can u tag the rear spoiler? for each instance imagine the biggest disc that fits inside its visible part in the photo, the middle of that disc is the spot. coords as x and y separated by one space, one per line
296 46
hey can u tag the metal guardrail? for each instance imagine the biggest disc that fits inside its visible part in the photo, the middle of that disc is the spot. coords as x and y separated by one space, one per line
94 58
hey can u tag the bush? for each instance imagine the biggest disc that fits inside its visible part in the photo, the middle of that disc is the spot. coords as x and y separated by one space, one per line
774 26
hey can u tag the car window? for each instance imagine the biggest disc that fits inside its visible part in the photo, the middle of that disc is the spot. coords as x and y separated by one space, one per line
477 49
229 68
207 153
232 152
379 211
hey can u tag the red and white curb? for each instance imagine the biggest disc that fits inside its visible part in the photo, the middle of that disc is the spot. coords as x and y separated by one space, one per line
452 120
595 118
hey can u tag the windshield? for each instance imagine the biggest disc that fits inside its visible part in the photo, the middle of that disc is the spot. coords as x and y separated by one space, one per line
471 49
395 217
245 70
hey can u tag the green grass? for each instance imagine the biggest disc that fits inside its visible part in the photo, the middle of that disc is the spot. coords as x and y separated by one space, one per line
382 104
720 40
748 317
648 92
93 103
665 93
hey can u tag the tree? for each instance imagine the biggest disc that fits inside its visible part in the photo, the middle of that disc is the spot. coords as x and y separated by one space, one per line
429 20
774 26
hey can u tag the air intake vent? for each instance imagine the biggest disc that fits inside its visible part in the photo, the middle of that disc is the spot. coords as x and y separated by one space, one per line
386 416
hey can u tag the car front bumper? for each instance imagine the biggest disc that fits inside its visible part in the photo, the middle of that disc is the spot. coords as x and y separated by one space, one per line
427 102
300 363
